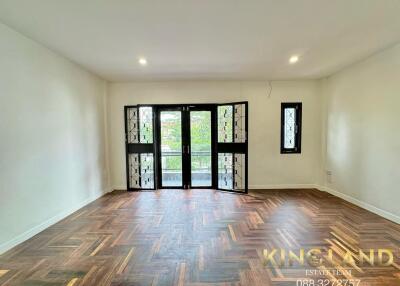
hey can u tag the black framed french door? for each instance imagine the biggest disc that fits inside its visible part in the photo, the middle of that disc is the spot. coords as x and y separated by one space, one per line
232 147
201 139
187 146
171 146
140 148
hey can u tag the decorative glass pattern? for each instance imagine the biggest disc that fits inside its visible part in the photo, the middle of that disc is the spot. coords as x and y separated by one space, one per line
239 119
147 170
225 168
132 125
140 131
141 171
232 171
239 174
232 129
146 124
134 171
289 128
225 122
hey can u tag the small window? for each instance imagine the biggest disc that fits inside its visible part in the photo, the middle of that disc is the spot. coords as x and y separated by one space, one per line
291 128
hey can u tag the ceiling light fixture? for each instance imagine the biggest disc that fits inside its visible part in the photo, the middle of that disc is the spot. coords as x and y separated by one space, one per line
142 61
294 59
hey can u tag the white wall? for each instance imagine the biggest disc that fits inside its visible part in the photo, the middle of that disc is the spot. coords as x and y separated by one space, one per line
52 137
267 167
362 114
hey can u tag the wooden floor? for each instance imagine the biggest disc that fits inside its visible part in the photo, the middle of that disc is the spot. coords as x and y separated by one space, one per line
198 237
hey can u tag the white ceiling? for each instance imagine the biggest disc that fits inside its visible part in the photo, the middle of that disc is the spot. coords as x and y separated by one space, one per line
208 39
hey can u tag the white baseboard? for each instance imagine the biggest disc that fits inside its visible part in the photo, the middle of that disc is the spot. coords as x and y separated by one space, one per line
283 186
39 228
119 188
361 204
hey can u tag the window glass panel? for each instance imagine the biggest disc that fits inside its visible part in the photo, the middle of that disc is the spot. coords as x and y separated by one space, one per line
289 128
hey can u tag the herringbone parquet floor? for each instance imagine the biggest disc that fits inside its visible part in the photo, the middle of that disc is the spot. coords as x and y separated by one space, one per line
201 237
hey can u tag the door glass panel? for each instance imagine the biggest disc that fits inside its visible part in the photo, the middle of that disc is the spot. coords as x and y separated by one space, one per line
239 172
239 119
132 118
171 148
147 170
225 170
134 172
232 172
141 171
146 124
200 148
225 122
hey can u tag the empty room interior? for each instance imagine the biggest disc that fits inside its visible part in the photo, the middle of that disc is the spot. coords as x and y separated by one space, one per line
186 142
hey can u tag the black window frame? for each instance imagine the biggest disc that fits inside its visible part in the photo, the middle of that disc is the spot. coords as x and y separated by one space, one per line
298 122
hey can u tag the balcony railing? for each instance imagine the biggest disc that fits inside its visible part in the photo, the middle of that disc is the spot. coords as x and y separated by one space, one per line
172 168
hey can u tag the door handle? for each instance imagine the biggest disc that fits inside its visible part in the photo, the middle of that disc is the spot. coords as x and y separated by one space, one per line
186 149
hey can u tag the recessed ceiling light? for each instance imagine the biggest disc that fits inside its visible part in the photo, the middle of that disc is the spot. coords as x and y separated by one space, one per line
143 61
294 59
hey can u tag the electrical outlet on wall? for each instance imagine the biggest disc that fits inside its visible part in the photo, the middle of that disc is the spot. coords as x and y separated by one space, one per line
329 176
